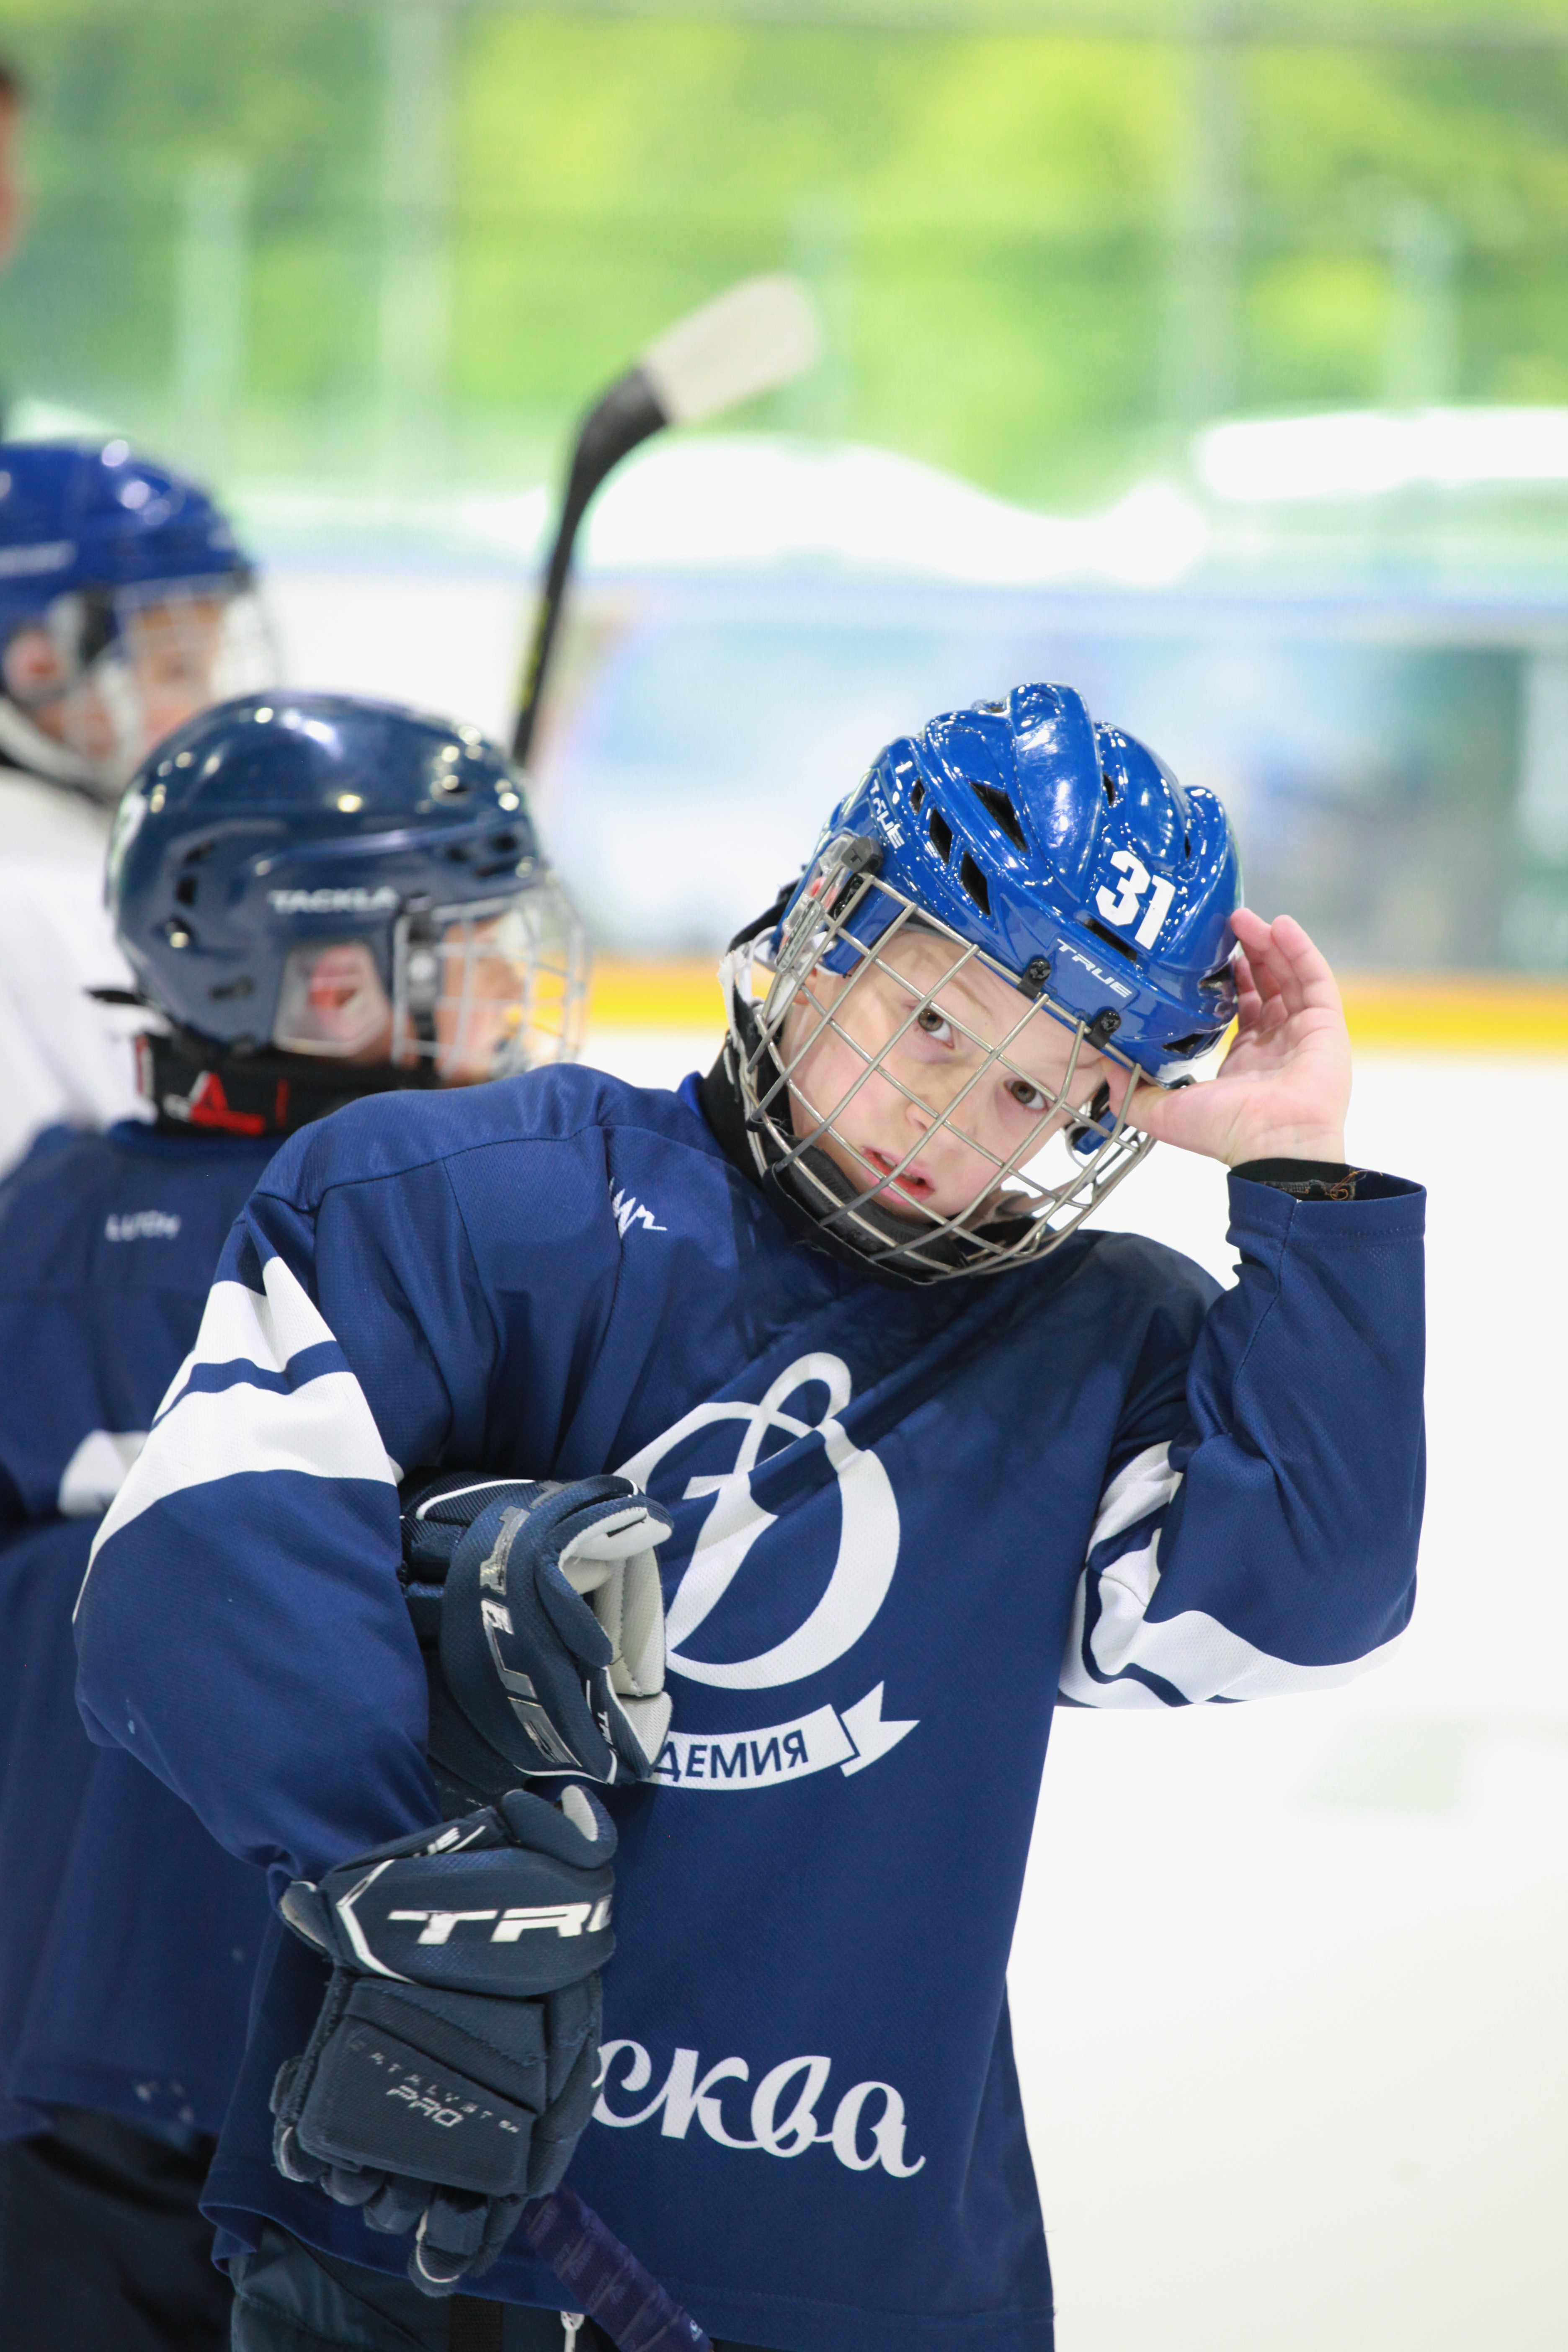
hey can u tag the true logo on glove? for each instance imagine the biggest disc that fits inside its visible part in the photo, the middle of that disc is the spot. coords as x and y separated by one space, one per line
566 1918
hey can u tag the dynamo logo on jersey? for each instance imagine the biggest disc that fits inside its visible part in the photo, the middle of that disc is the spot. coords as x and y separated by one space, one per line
863 1571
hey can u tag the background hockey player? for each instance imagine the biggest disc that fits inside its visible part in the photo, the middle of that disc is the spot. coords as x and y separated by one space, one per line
928 1449
125 606
128 1938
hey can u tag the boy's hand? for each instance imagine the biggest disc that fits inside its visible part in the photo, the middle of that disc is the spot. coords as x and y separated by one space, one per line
1284 1087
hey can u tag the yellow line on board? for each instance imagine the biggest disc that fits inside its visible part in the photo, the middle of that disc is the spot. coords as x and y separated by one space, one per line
1457 1012
1412 1011
628 995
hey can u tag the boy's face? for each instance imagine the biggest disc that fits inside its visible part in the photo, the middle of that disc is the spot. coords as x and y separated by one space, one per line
334 1003
484 975
839 1027
163 671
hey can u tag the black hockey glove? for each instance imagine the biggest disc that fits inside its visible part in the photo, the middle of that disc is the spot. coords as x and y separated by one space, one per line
541 1613
452 2068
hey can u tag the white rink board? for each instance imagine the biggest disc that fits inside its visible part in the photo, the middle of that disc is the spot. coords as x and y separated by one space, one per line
1287 1984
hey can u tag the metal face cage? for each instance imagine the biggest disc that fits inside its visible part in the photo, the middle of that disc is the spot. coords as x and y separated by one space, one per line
850 936
108 673
492 986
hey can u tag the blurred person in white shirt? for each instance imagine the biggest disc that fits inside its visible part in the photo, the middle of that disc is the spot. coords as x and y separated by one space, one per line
125 608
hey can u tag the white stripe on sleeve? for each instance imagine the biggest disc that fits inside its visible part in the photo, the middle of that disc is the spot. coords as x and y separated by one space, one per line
323 1428
1192 1653
1145 1483
97 1471
238 1327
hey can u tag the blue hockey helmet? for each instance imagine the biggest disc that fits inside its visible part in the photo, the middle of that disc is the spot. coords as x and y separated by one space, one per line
1060 859
125 605
1070 854
316 874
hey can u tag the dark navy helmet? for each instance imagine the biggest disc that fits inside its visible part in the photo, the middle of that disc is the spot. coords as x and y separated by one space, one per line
125 604
1013 916
323 877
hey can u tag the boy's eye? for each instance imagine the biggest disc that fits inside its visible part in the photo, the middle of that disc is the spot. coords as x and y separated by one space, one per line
1027 1097
933 1023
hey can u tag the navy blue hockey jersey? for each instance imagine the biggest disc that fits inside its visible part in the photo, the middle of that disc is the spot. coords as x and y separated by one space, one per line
900 1519
128 1938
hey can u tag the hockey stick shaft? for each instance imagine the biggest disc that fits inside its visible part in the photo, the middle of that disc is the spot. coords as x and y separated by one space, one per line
610 2283
759 335
628 413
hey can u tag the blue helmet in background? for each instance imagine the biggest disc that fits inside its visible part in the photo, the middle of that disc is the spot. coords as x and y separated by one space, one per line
317 879
1071 854
125 603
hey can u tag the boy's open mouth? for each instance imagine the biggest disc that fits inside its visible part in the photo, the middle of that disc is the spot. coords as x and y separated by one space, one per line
912 1181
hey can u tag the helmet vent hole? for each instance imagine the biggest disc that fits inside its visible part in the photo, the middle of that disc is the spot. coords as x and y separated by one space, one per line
1109 939
1109 783
186 890
940 834
995 803
974 882
917 794
1186 844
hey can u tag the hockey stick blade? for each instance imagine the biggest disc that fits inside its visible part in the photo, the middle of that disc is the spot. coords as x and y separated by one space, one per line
610 2283
761 334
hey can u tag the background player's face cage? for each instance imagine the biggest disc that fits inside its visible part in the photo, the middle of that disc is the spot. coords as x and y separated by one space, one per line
491 987
847 934
140 662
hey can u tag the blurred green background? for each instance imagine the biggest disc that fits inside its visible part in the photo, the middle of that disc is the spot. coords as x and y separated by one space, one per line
362 262
399 243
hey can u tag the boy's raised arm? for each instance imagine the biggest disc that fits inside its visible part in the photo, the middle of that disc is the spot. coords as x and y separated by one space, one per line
1268 1543
1269 1546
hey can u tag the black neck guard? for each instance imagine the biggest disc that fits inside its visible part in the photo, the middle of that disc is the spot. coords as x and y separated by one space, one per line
199 1088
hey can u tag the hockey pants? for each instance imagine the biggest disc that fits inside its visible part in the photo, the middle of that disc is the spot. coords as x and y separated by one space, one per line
102 2245
289 2298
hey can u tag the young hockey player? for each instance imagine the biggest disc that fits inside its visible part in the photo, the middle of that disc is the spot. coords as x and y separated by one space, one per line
125 606
930 1449
128 1938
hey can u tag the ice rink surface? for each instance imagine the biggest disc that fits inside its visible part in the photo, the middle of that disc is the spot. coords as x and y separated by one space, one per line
1287 1985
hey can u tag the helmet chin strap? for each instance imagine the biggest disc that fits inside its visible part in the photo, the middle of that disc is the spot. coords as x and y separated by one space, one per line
57 763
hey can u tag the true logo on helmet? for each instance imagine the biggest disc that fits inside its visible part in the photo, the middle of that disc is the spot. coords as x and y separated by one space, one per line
357 901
